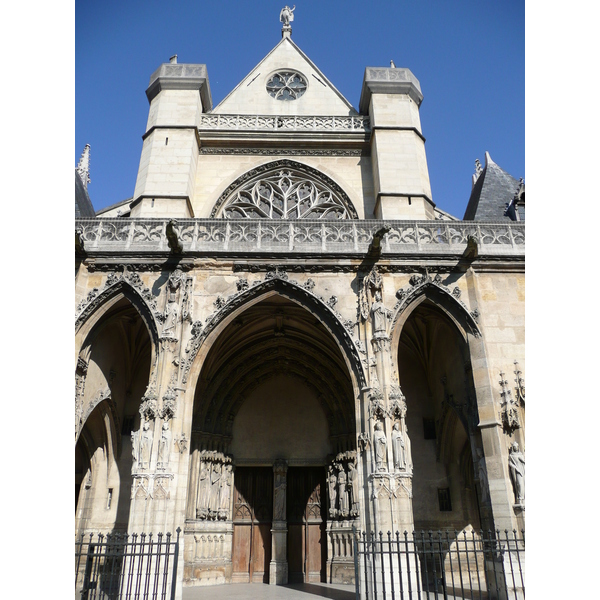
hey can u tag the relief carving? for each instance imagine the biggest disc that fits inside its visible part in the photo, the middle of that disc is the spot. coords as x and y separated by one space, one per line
214 486
343 486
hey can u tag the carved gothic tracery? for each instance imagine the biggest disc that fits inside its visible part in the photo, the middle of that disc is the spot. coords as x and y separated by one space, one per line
284 189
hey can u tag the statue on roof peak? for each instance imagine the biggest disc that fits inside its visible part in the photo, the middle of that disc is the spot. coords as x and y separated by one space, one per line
287 15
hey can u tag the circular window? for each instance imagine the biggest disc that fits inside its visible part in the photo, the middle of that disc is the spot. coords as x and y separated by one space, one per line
286 85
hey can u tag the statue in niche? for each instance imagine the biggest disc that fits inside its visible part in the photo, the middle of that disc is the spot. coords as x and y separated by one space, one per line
379 316
135 447
225 493
353 486
379 444
215 488
164 446
145 446
516 465
279 500
287 15
332 483
342 492
172 308
203 488
398 448
482 473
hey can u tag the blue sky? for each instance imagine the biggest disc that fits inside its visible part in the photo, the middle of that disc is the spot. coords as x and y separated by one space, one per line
468 56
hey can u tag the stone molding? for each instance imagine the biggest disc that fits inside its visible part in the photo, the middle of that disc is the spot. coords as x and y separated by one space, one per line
211 150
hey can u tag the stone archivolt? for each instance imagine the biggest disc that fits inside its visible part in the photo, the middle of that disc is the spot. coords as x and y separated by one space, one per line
424 285
273 336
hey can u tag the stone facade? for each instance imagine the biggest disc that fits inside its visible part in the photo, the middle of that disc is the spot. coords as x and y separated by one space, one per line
284 308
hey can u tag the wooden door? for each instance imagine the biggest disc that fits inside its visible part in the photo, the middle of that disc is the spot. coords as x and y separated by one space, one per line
252 517
307 550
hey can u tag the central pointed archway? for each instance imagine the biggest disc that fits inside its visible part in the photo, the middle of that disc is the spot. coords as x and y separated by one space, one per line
274 393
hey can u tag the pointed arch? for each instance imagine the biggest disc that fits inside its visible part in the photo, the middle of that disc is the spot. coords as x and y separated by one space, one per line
284 189
100 302
440 296
274 283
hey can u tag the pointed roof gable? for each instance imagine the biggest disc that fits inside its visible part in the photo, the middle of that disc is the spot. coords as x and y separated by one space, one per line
250 96
492 191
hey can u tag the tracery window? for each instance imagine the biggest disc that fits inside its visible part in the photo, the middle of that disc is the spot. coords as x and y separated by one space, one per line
286 85
286 193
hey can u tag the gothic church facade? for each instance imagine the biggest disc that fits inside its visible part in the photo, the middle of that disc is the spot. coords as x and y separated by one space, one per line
280 337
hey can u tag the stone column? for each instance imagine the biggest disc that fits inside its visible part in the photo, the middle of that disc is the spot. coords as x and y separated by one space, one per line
387 474
278 569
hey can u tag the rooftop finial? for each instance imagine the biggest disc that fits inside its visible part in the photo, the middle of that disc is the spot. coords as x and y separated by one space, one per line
83 168
286 16
392 64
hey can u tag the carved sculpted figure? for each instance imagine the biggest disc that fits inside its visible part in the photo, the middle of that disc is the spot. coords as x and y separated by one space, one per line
516 464
172 309
379 316
353 485
145 446
379 444
279 501
399 448
215 485
287 15
164 446
203 488
332 480
225 493
343 492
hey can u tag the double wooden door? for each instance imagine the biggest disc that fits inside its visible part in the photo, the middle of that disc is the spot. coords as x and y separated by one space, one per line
306 506
252 520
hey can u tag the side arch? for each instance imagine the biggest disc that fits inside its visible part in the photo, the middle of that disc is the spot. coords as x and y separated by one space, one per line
102 301
440 296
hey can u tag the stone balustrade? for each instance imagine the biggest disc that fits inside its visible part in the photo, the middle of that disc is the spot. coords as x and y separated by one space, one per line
352 124
310 237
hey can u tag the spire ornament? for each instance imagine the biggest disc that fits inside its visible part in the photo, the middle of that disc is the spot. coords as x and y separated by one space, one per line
83 167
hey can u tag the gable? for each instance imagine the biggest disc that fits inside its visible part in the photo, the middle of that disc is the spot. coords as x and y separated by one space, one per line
251 97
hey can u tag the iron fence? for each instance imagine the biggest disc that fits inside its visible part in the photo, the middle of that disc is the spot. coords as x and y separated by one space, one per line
440 565
120 566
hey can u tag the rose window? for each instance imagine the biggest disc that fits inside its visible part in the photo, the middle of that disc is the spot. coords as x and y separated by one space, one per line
286 193
286 85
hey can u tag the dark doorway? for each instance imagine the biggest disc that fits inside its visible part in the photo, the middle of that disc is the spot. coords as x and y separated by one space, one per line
252 521
306 546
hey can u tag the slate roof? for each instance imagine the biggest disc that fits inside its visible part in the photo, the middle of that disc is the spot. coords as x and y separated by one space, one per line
493 190
83 204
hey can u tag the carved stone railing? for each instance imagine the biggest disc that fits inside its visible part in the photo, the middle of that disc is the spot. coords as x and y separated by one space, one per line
350 124
267 236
